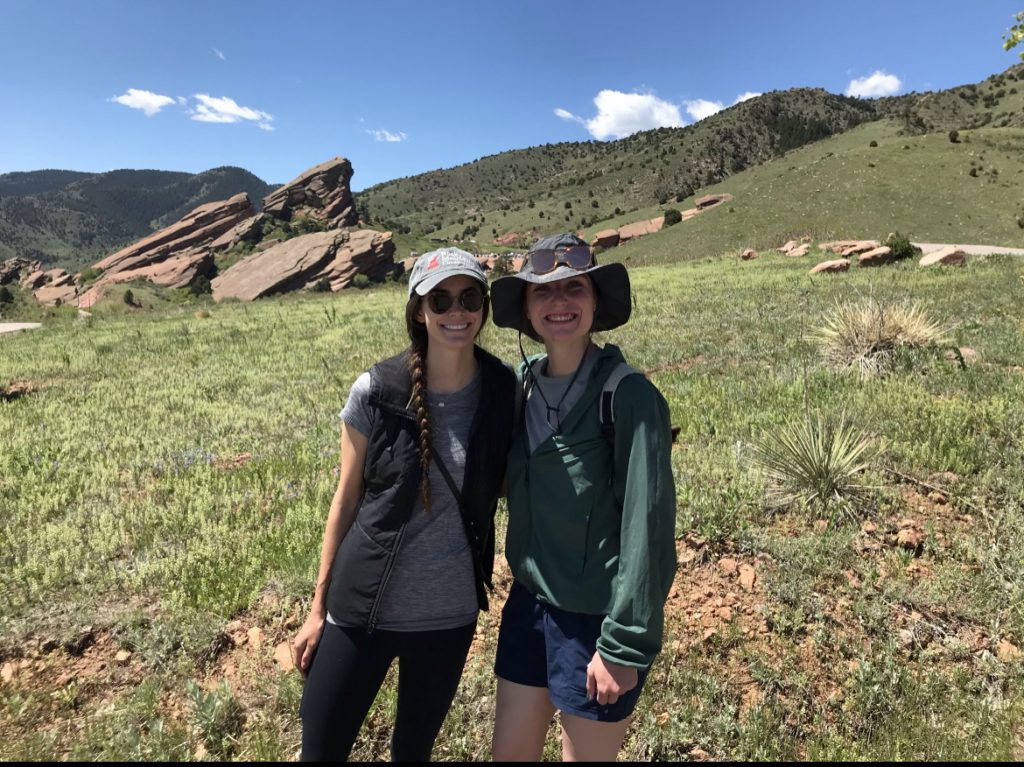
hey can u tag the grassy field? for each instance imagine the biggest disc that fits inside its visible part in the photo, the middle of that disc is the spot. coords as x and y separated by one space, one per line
165 474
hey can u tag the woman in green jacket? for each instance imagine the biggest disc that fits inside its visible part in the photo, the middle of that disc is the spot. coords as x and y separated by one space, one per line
591 513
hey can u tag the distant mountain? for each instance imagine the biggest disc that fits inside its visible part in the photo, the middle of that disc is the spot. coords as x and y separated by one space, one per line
578 185
73 219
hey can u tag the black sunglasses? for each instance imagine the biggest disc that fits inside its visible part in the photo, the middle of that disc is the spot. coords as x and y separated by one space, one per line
471 299
576 257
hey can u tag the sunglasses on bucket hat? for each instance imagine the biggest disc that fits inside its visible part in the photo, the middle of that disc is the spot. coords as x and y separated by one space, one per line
545 260
440 302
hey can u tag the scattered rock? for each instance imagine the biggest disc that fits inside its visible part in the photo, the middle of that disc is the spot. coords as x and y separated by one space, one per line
748 577
640 228
749 254
1007 651
255 637
875 257
858 247
868 526
283 656
799 251
711 200
699 755
728 566
122 657
829 267
7 672
949 256
909 538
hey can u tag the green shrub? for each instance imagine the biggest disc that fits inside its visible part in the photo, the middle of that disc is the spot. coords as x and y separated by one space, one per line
360 282
5 295
901 246
201 286
89 274
954 136
672 217
873 143
323 285
129 298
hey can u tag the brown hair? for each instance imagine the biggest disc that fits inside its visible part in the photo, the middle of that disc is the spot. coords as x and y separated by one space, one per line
418 372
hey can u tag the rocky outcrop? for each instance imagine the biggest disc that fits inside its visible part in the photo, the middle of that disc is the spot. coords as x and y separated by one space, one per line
640 228
321 193
335 257
861 246
175 272
193 232
606 238
19 269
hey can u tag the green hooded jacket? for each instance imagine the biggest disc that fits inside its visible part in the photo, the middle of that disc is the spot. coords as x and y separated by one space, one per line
592 523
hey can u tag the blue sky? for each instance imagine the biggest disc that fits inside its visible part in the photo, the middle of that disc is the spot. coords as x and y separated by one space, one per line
404 87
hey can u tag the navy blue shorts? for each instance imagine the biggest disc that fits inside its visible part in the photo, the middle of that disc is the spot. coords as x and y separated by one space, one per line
543 646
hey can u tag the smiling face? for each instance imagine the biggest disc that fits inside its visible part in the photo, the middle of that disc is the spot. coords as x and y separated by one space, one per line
457 327
561 311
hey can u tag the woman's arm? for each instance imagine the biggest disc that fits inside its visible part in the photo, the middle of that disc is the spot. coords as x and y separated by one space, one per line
343 512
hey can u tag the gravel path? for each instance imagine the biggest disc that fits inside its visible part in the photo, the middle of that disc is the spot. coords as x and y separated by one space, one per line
971 250
10 327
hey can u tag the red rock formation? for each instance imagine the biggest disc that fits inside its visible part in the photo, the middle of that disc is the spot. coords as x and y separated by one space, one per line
322 193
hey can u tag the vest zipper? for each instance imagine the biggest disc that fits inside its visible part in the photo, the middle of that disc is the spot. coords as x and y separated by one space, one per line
372 622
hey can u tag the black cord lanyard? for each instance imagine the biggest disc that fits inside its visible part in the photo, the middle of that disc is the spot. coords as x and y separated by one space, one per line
557 408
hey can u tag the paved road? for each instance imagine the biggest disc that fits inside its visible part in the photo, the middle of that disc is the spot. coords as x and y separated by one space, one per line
10 327
971 250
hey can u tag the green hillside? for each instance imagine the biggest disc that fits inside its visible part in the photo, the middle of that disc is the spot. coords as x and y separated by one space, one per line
925 186
73 219
596 185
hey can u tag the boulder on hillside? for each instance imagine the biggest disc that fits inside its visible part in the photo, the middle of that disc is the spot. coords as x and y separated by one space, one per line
876 257
176 272
948 256
799 251
711 200
606 238
862 246
321 193
640 228
335 256
829 267
785 249
749 254
689 213
196 229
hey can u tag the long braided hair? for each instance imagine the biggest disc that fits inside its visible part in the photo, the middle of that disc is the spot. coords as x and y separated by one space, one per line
418 371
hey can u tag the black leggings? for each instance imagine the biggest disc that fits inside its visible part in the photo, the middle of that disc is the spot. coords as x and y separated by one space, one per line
348 670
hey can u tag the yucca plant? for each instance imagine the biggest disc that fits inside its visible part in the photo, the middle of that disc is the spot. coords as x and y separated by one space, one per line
866 334
815 463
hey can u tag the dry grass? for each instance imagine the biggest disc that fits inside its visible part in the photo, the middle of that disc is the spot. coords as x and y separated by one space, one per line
866 334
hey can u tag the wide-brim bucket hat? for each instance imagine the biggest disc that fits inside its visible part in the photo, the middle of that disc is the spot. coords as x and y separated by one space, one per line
611 286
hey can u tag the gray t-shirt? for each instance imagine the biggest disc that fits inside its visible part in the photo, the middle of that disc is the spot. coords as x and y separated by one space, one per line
554 393
431 586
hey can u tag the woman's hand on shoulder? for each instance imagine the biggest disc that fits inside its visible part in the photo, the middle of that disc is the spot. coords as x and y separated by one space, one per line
306 641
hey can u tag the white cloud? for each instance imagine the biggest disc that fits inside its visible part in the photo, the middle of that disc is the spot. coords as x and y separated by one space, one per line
622 114
148 102
877 84
565 114
225 110
698 109
219 54
745 97
386 135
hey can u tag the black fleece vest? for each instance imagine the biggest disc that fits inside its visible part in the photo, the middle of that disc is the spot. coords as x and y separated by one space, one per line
391 482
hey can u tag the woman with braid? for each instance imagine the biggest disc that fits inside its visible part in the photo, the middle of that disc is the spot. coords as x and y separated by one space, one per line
409 543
